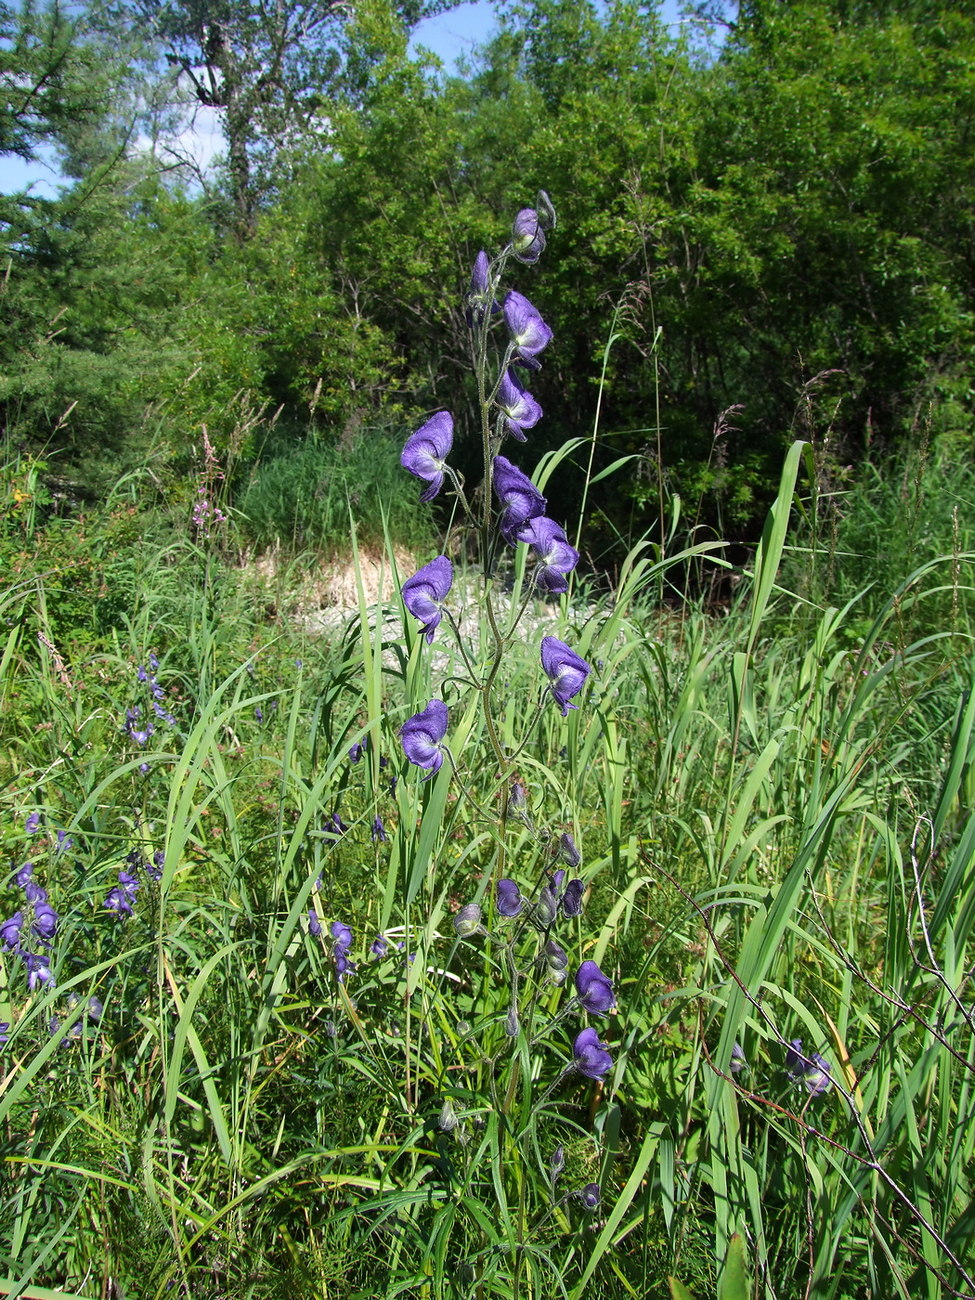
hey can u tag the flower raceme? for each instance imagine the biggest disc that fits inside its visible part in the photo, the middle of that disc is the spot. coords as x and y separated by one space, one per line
519 497
421 736
424 594
565 670
426 451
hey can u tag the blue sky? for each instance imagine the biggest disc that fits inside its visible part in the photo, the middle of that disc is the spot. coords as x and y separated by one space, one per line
451 35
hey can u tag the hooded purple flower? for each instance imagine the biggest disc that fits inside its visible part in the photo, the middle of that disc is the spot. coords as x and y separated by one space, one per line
519 408
527 236
38 971
10 930
424 594
570 903
32 823
342 935
378 833
519 496
555 556
529 333
379 946
45 922
590 1056
314 925
566 670
813 1070
509 901
426 452
594 989
590 1196
421 736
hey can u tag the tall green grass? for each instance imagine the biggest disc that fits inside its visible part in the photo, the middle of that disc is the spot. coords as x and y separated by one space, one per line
774 810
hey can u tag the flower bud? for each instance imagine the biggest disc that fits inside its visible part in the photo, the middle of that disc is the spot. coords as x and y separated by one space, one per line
547 218
571 900
546 909
467 921
590 1196
556 1166
568 852
527 236
517 800
512 1024
448 1117
555 956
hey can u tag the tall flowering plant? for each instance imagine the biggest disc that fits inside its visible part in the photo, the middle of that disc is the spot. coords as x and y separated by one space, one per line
530 1052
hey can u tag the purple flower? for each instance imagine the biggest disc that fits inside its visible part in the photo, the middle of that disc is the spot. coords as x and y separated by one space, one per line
357 750
555 556
24 874
378 834
509 900
35 893
314 925
421 736
813 1070
141 674
589 1056
153 661
64 842
594 989
379 946
518 495
546 909
519 408
118 901
424 594
738 1062
570 903
32 823
342 935
4 1032
479 297
566 671
154 869
590 1196
426 452
38 971
45 921
527 237
556 958
529 333
10 930
568 852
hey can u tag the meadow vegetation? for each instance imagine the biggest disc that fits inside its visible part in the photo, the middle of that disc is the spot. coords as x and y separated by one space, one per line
436 898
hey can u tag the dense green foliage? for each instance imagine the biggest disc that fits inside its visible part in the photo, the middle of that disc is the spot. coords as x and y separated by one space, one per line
784 229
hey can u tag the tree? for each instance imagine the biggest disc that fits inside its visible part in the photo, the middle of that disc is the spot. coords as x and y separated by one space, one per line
269 69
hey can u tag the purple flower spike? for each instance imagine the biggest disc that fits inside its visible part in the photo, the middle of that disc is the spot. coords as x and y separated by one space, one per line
424 594
527 237
555 556
528 331
519 496
519 408
426 452
589 1056
509 900
594 989
422 734
566 670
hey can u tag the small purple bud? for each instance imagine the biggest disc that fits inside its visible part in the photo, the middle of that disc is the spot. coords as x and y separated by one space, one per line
512 1025
314 925
556 1165
568 852
468 921
570 903
378 834
527 237
545 910
590 1196
555 957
